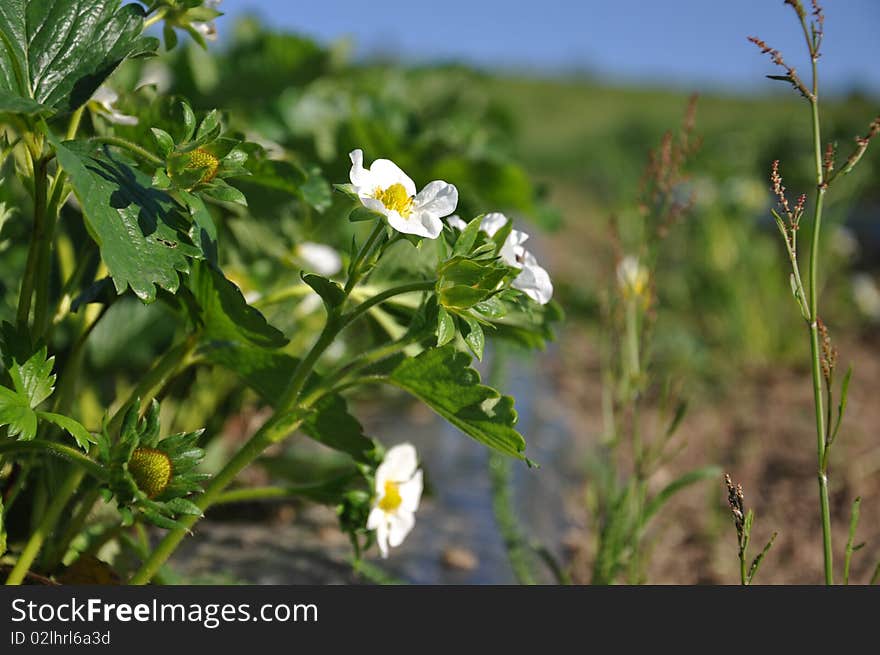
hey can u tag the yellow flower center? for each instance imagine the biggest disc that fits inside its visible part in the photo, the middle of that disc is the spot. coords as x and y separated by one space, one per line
391 498
203 159
395 197
151 470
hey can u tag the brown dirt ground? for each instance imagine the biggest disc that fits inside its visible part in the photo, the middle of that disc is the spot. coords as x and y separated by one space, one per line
762 433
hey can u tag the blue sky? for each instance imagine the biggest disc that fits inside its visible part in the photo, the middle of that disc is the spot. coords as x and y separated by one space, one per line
689 43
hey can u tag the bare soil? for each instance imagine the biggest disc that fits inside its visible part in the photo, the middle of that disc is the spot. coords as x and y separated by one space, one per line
762 433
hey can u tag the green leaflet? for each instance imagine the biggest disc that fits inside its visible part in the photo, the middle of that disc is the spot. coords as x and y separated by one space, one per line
332 425
237 336
331 293
224 313
444 380
55 53
33 382
142 232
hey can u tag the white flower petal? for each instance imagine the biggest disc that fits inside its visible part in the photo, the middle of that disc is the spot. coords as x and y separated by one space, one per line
456 222
122 119
105 96
386 173
382 537
534 281
437 198
376 518
360 177
418 223
423 224
399 525
399 465
411 492
322 259
511 250
492 222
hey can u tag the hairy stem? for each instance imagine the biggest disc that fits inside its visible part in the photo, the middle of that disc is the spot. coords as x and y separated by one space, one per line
67 453
41 179
133 148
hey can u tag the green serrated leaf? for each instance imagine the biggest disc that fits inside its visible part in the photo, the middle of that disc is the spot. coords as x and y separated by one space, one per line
331 424
444 380
16 414
142 232
33 383
58 52
33 378
224 314
331 293
74 428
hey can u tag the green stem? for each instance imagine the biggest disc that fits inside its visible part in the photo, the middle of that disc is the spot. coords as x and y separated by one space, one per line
632 341
250 494
155 18
355 266
815 351
41 179
73 125
412 287
133 148
32 548
57 450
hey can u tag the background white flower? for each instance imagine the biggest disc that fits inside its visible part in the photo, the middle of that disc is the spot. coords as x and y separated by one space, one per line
319 258
208 29
385 188
632 277
102 102
456 221
533 280
398 492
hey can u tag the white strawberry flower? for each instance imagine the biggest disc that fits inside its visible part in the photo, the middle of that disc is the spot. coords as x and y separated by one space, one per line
208 29
532 280
102 102
398 491
632 277
456 221
385 188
